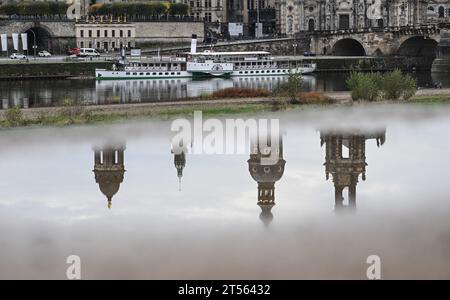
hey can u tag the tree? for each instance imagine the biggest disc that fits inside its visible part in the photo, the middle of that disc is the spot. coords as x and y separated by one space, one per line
178 9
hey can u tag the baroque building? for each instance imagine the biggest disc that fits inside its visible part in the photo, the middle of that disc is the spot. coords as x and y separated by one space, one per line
294 16
438 11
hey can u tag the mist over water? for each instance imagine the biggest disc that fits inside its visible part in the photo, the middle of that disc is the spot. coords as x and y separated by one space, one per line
55 184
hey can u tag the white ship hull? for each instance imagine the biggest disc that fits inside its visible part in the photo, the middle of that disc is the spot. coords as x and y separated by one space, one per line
273 72
102 74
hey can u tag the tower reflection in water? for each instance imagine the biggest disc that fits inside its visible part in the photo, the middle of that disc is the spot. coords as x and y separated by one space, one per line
266 166
109 169
179 150
345 159
179 161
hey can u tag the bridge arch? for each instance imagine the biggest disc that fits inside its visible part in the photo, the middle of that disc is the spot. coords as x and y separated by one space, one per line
44 38
348 47
418 46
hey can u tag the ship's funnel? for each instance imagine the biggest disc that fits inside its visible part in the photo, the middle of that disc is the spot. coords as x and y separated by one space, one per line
194 43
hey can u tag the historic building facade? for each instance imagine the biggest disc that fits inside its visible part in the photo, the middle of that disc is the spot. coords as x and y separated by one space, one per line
295 16
438 11
105 35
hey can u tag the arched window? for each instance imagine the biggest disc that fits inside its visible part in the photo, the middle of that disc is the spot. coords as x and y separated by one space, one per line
311 25
441 12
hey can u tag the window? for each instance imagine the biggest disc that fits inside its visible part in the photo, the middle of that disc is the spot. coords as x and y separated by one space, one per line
311 25
441 12
129 33
81 33
208 17
113 45
98 33
116 157
106 33
198 3
113 33
344 22
207 3
121 33
345 152
81 44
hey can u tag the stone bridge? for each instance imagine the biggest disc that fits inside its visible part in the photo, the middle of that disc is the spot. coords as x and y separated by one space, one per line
53 35
412 42
408 41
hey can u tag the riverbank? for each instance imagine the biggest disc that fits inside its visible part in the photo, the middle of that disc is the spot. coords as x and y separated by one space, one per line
23 70
53 68
78 114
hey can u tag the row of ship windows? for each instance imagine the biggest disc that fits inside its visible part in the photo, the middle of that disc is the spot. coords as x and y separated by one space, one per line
153 65
263 72
154 73
259 63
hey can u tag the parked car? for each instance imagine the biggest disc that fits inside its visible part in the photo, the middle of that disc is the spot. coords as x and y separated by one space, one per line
307 53
73 51
17 56
88 52
74 57
44 53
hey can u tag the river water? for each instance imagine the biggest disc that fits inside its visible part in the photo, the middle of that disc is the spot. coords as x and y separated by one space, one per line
42 93
207 219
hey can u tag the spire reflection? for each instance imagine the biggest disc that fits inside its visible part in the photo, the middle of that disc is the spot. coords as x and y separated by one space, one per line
109 169
345 160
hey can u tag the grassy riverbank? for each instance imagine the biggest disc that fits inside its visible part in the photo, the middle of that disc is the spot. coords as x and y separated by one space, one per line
95 114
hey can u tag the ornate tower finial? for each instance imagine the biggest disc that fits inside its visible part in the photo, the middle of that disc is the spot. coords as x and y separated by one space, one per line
266 174
109 169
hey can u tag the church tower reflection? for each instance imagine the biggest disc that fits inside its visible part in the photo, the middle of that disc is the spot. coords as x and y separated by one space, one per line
345 160
179 150
179 161
266 166
109 169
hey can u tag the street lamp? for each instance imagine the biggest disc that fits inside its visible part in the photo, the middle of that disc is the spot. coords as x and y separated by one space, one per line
257 19
34 42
